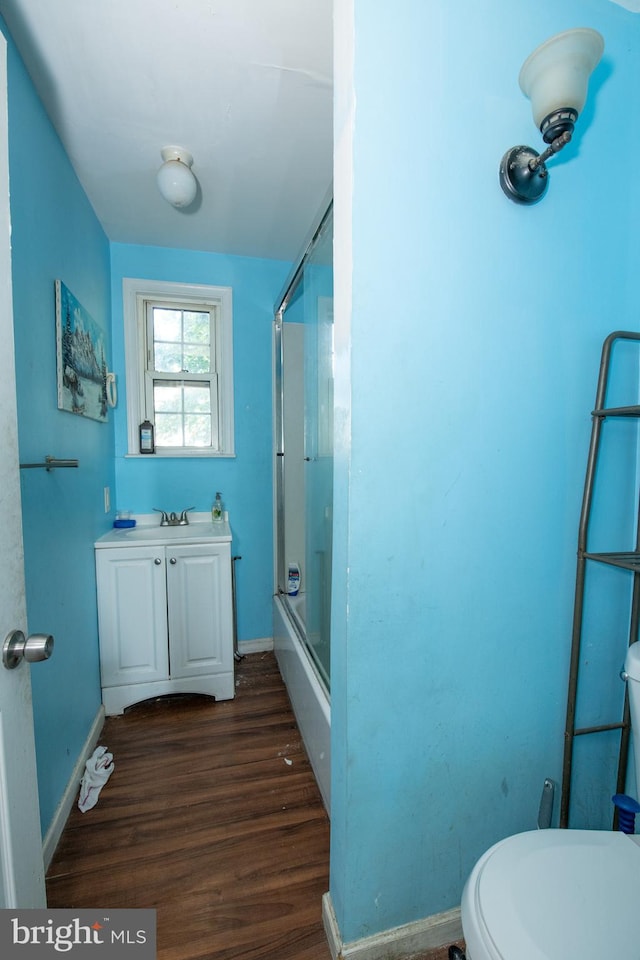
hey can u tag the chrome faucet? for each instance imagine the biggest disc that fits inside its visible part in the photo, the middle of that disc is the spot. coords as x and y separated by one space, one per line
172 519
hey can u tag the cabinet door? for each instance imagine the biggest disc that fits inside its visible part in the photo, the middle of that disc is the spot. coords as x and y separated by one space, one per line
132 615
200 610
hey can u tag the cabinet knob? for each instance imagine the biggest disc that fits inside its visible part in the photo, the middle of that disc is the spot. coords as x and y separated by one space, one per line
157 561
173 561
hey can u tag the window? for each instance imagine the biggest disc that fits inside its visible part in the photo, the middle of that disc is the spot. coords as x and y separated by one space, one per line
178 341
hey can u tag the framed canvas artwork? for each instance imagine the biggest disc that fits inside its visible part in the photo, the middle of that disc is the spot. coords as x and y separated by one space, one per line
81 359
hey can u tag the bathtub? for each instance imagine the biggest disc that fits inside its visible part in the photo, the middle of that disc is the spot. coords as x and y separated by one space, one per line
308 697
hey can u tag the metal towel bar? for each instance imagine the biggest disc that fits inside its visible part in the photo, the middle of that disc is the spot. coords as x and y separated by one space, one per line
50 463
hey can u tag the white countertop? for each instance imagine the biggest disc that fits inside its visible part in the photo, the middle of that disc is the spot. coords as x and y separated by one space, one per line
148 532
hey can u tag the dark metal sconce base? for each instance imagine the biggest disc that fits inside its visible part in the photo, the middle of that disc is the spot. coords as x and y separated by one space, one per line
519 182
557 123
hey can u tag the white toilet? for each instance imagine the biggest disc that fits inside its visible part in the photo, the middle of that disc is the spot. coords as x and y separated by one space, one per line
559 894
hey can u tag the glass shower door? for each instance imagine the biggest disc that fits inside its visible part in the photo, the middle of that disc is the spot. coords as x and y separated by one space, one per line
304 423
318 458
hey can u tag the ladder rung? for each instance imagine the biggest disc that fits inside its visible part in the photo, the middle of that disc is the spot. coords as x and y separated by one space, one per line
632 411
629 560
600 729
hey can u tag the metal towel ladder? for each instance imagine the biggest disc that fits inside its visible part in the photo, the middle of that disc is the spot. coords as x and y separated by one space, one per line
628 561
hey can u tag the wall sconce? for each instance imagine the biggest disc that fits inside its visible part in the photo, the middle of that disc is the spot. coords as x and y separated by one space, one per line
555 78
176 182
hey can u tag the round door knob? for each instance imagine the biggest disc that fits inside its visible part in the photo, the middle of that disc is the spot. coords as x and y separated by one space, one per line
157 561
173 561
38 646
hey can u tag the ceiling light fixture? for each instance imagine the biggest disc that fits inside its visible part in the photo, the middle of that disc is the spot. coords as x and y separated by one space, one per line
176 181
555 78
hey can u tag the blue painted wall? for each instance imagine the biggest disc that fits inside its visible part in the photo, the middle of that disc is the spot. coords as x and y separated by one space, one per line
55 235
466 371
245 480
465 375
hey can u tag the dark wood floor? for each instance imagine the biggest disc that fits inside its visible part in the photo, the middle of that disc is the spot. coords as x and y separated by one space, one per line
212 817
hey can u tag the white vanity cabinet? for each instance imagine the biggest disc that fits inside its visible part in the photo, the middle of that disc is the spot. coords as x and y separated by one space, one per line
165 615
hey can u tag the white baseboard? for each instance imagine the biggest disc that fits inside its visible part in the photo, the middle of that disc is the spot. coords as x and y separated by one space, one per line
70 794
259 645
436 931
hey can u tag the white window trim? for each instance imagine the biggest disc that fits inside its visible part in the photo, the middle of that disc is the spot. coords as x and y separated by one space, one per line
134 292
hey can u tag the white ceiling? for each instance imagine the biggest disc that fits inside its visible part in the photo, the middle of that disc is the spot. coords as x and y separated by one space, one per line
244 85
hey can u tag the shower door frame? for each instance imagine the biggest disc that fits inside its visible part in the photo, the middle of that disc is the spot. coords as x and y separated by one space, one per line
295 278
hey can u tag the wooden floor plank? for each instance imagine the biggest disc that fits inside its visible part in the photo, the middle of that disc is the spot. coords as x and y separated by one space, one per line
212 817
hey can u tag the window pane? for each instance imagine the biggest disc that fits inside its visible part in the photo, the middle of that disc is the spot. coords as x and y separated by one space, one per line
196 360
167 397
169 430
167 358
182 414
197 430
167 324
197 327
197 399
181 340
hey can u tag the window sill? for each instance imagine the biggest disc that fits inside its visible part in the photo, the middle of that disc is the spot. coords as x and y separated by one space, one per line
183 454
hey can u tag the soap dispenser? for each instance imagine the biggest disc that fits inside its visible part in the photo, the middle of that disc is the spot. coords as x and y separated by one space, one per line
216 510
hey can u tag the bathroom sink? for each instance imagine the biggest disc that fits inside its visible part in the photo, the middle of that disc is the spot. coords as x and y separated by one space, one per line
198 531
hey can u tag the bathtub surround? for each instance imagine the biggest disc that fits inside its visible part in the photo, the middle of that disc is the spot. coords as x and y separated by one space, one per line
308 695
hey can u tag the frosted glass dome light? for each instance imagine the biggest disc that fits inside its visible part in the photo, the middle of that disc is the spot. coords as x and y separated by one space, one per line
555 77
176 182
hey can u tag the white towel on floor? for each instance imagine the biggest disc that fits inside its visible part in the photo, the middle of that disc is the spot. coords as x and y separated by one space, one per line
98 769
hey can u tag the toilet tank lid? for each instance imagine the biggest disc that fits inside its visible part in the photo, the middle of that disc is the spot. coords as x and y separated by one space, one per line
632 662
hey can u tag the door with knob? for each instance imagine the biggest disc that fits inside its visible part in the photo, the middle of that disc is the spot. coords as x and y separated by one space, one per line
21 866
